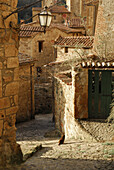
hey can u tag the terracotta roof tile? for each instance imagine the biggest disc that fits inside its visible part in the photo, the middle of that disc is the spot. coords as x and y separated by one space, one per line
28 31
24 58
81 41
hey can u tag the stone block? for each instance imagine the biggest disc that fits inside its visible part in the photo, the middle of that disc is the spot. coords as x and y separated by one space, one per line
14 36
1 22
14 3
16 100
16 74
9 123
1 127
1 52
2 114
1 66
7 79
11 110
12 89
4 103
12 18
10 50
0 84
12 62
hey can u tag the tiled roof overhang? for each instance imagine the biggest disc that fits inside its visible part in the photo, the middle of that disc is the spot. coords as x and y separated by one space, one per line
79 41
28 31
94 64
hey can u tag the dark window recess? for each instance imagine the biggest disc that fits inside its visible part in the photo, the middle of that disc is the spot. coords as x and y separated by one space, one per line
54 17
39 71
40 46
66 49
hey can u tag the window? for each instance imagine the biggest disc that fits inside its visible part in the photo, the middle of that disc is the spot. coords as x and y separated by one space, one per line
54 17
39 71
66 49
40 43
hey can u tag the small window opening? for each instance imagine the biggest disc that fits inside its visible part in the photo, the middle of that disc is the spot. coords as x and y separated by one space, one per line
39 71
40 46
66 49
54 17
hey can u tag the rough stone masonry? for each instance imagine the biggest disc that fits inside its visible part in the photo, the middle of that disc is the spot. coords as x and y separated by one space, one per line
9 150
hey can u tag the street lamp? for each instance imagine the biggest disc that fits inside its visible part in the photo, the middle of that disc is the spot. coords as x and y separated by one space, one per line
45 18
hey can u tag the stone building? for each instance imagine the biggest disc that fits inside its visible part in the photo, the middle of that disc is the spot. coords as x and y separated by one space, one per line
9 84
80 86
103 45
34 42
85 90
60 13
70 50
86 10
26 88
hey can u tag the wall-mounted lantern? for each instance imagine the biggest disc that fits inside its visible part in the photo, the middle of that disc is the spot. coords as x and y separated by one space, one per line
45 18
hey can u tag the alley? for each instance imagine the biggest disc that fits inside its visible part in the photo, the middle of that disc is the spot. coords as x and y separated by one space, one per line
72 155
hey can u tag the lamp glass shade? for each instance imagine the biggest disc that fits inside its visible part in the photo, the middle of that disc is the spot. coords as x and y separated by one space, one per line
49 19
45 18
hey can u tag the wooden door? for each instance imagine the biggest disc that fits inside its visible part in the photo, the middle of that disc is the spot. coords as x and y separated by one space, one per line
100 87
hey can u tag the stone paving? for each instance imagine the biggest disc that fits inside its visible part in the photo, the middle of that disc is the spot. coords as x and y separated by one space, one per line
72 155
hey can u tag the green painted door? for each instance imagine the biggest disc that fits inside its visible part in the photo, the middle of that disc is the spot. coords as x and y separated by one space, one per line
100 87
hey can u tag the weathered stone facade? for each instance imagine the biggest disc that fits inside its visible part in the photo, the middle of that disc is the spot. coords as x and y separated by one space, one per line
76 93
29 45
71 99
26 89
9 86
104 33
87 10
60 14
70 85
71 103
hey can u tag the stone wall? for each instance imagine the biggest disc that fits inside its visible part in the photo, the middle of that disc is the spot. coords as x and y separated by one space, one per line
87 13
81 93
73 54
71 102
26 93
25 46
63 95
104 33
9 85
43 81
57 17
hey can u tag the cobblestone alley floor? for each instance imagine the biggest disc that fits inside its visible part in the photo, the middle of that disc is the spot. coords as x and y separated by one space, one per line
72 155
